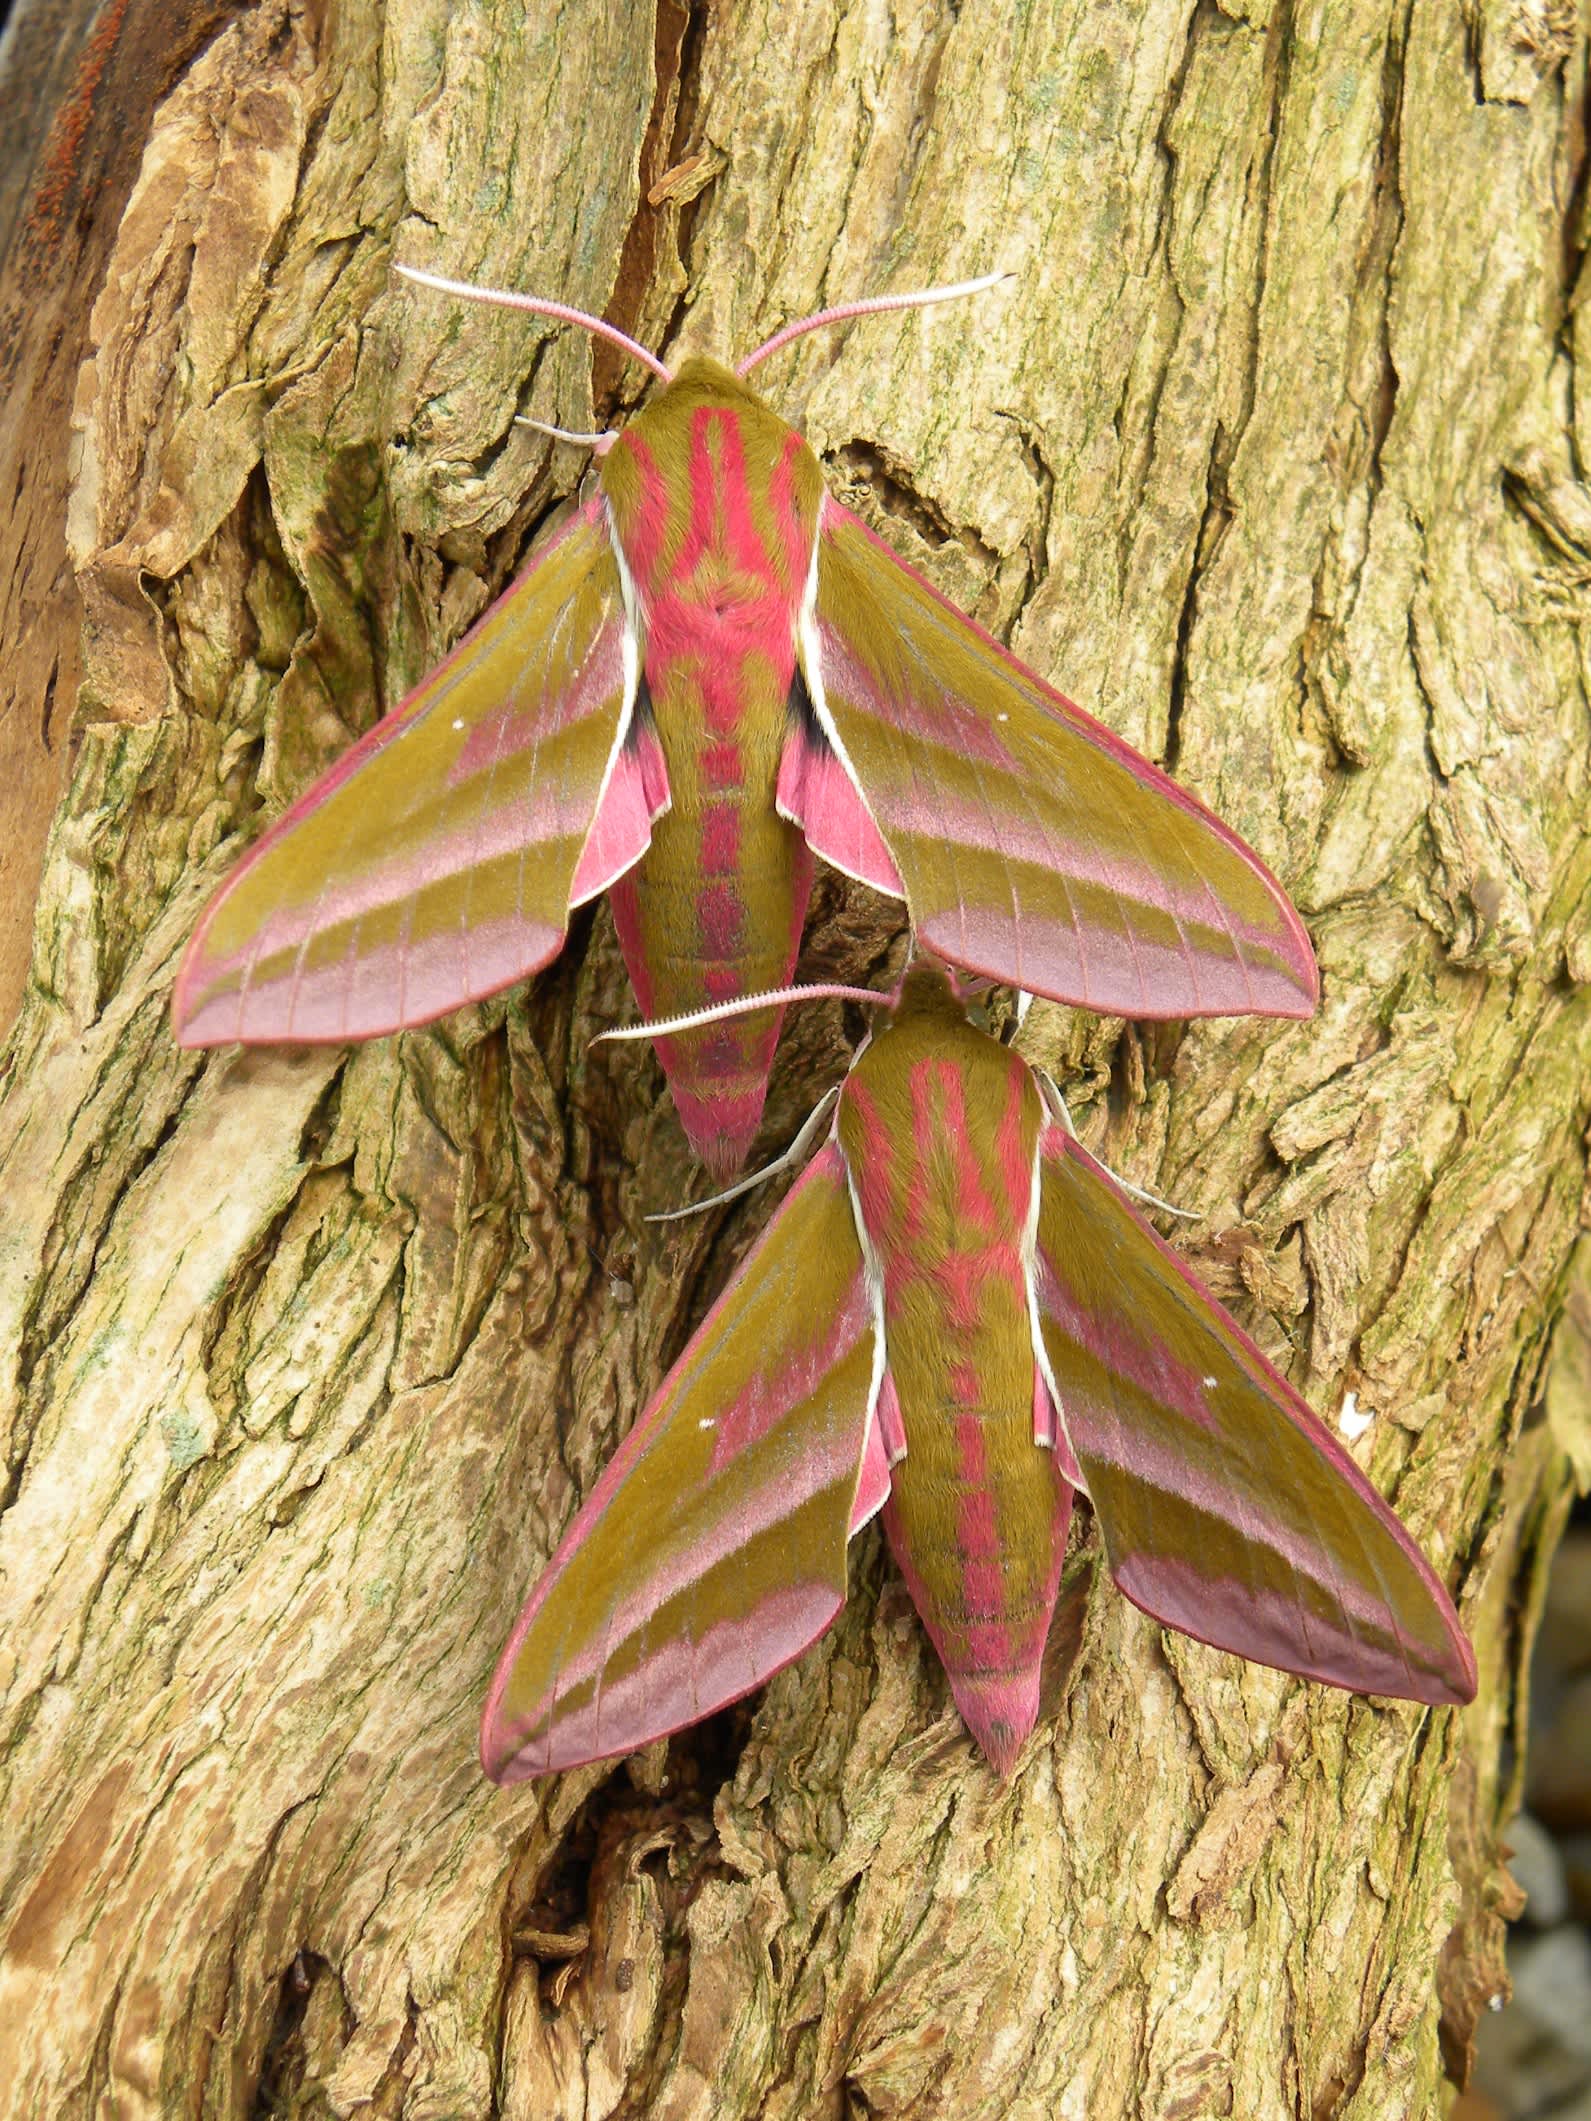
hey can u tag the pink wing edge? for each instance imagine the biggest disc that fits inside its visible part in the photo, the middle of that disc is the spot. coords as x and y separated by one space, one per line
1055 1143
872 1491
836 811
633 796
818 791
634 792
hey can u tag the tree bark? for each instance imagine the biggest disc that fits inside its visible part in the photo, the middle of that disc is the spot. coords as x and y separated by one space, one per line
1271 455
78 84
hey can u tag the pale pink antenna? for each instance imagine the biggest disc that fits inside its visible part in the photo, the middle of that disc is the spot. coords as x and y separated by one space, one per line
921 299
538 307
742 1005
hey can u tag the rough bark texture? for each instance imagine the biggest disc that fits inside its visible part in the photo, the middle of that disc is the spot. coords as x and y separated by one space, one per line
1272 455
78 83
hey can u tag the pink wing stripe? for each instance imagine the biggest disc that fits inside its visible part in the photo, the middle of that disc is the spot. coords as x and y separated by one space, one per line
819 1467
1224 1612
1176 1473
369 992
504 832
621 831
1126 976
816 793
1085 724
506 731
681 1681
1035 843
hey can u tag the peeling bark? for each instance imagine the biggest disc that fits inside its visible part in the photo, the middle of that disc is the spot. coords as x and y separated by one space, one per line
1272 456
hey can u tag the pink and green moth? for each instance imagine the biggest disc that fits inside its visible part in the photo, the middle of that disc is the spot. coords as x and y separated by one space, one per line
957 1317
711 674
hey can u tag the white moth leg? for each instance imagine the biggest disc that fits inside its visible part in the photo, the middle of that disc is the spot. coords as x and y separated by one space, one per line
600 444
1050 1092
792 1156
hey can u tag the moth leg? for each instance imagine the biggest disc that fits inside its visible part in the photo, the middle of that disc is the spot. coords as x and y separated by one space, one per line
599 444
1049 1090
785 1162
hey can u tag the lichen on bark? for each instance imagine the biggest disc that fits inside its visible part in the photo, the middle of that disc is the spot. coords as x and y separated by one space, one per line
1271 455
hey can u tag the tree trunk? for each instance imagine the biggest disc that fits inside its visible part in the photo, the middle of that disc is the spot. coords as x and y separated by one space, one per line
1270 455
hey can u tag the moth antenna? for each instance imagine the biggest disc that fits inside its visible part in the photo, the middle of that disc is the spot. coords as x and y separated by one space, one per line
538 306
921 298
772 998
1063 1117
600 443
791 1156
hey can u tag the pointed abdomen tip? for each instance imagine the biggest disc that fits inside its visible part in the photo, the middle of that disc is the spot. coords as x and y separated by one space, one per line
720 1134
1000 1710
